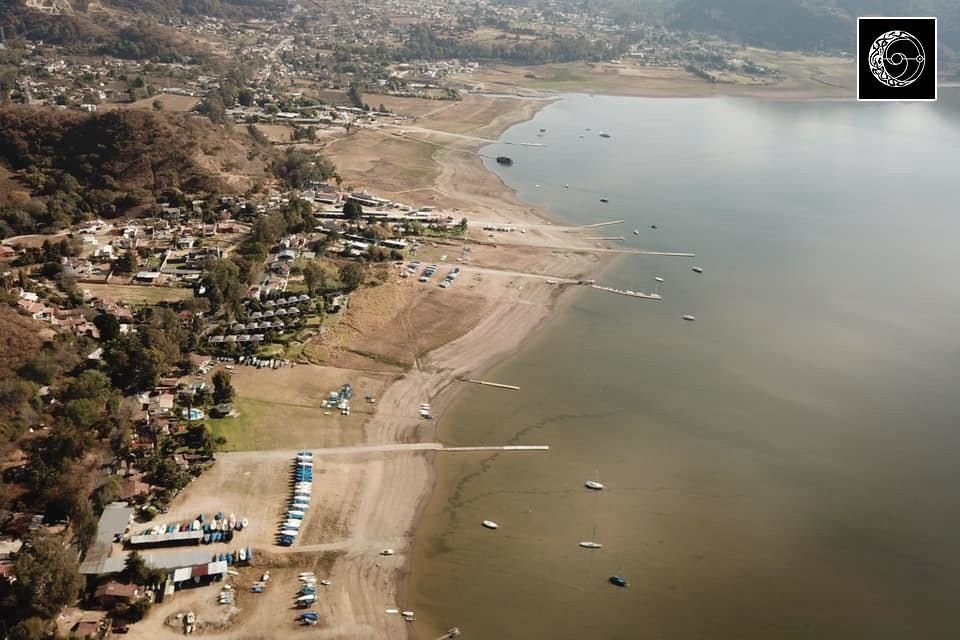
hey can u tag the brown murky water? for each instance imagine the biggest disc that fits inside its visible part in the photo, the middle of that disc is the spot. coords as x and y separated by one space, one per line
785 466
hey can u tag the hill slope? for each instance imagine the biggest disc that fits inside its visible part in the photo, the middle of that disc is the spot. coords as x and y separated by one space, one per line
109 163
805 24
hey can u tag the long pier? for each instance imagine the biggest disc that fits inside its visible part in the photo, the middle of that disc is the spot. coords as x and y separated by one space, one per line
486 383
631 294
508 447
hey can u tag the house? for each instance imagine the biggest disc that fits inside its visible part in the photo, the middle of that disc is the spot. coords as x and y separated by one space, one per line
132 487
111 593
90 629
148 277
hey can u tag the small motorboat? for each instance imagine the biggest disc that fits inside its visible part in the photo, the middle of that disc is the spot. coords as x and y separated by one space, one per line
325 583
566 186
490 524
387 552
242 554
618 581
406 614
689 318
604 200
244 523
391 611
604 134
659 279
591 545
697 270
636 232
593 484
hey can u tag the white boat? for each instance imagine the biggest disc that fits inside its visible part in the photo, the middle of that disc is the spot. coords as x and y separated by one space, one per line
689 318
697 270
490 524
306 574
591 545
242 554
391 611
406 614
325 583
593 484
658 279
244 523
636 232
387 552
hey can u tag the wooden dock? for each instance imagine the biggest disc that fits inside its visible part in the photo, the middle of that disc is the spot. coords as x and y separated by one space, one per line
631 294
485 383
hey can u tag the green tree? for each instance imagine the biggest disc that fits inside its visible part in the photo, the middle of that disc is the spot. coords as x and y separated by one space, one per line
48 575
222 388
126 263
355 97
351 275
30 629
138 572
108 325
352 210
314 276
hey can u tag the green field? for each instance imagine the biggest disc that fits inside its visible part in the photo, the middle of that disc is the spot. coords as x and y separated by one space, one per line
261 425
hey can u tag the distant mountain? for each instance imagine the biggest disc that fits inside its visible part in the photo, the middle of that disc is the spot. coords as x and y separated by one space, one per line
806 25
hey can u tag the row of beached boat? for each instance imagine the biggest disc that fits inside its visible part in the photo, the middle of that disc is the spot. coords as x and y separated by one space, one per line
300 502
218 524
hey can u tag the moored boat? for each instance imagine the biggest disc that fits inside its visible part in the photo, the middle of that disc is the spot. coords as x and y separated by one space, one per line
618 581
586 544
593 484
490 524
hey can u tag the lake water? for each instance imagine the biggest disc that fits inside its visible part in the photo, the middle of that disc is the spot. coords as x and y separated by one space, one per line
785 466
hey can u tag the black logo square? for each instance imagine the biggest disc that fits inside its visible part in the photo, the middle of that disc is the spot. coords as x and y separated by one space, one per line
897 59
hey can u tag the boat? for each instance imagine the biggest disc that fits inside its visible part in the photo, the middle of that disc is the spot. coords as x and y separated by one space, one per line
636 232
490 524
689 318
653 226
618 581
593 484
591 545
505 160
387 552
697 270
543 130
658 279
242 554
244 523
406 614
325 583
604 134
566 186
604 200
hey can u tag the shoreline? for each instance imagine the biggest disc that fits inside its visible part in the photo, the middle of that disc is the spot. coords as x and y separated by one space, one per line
389 503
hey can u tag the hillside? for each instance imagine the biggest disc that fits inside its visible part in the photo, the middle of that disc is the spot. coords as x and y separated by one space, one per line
807 25
74 165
